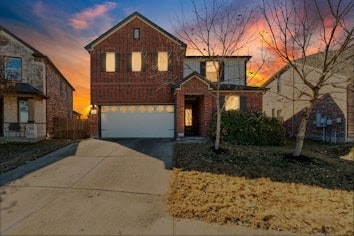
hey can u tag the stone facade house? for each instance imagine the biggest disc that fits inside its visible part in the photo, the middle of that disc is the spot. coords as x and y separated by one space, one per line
332 119
143 84
32 91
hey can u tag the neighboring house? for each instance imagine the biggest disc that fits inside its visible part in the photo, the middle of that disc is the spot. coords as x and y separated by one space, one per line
142 85
33 91
332 119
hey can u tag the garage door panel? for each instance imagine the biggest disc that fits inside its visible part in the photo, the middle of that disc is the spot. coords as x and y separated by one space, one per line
138 121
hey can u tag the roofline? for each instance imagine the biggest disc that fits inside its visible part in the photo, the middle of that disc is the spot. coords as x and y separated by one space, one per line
89 47
218 56
57 70
190 76
275 75
36 53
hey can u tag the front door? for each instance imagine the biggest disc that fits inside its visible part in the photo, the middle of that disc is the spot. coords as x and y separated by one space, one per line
191 116
1 116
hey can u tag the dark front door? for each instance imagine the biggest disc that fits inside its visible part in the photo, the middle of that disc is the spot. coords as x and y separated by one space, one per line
1 116
191 116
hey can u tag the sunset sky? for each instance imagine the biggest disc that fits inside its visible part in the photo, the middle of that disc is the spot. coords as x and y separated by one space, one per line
60 29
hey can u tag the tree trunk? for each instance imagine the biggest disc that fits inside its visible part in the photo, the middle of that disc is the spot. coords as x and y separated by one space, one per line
218 120
302 130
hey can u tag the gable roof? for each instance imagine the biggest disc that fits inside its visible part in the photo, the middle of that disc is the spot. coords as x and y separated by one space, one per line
36 53
131 17
191 76
316 61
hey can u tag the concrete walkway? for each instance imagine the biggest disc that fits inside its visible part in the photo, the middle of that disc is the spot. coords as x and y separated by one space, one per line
116 187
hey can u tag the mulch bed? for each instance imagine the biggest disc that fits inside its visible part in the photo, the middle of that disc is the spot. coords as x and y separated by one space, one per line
265 187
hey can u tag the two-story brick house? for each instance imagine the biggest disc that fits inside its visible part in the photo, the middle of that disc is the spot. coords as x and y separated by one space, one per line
143 85
33 91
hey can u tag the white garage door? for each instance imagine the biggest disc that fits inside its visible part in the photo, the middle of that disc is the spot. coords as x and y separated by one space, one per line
137 121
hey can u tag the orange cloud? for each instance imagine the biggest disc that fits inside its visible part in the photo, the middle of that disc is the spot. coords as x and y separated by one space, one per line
82 19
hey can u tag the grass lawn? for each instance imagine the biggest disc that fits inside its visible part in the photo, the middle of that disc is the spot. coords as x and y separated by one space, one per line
264 187
13 155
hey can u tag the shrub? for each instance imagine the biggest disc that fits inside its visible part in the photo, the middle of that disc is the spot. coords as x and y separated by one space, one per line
249 128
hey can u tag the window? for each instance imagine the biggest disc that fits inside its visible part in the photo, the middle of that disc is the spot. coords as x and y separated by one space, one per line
212 70
279 114
273 112
110 61
162 61
136 61
13 68
23 108
136 33
232 103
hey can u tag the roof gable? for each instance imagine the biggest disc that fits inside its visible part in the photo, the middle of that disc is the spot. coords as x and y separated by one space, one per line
192 76
35 52
128 19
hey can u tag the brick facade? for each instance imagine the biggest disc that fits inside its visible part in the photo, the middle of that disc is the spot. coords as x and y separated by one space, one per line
60 94
146 87
327 108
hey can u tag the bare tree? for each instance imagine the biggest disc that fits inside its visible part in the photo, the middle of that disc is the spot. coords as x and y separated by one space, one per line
297 29
216 29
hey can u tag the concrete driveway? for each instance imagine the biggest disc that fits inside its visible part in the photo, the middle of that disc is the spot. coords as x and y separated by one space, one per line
106 187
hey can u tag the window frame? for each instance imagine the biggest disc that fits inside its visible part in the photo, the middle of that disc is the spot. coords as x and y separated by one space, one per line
17 78
22 100
136 33
238 105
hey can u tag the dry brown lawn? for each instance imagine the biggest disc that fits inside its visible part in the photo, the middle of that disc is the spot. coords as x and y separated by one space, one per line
263 187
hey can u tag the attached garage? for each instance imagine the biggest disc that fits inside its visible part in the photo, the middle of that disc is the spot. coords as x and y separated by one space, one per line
137 121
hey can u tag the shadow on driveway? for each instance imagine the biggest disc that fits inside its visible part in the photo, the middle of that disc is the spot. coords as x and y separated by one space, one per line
161 149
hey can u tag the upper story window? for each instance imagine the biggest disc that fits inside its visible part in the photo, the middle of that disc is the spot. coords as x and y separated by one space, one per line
110 61
136 61
232 102
136 33
162 61
211 70
13 68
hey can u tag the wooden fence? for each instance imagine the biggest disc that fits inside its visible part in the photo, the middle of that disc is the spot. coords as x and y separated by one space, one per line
71 128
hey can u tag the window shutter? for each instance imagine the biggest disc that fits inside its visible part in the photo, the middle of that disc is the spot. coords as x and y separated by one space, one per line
129 61
170 66
243 104
117 62
102 61
154 61
222 67
202 68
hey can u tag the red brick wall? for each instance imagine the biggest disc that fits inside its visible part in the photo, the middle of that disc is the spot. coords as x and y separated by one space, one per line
327 107
206 104
60 93
148 86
